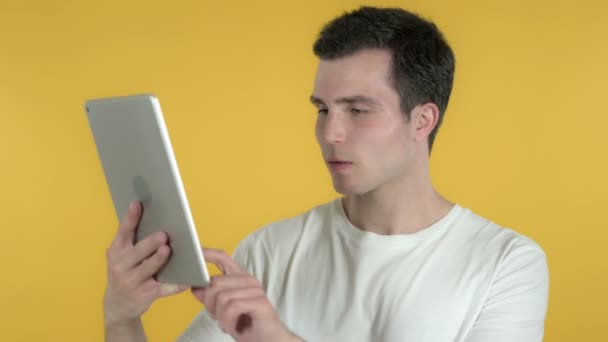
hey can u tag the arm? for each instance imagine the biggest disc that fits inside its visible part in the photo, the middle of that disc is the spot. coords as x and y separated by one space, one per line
516 305
133 331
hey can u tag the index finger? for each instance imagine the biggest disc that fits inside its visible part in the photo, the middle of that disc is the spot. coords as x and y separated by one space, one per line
126 229
223 261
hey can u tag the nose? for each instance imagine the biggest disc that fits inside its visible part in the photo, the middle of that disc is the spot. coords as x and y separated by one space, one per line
331 129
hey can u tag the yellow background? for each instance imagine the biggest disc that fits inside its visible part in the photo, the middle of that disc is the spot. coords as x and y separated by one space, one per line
523 143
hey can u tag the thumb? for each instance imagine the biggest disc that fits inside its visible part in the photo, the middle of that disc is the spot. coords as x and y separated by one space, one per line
171 289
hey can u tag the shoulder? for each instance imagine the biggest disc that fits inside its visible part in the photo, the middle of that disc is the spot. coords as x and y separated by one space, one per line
485 234
507 251
515 301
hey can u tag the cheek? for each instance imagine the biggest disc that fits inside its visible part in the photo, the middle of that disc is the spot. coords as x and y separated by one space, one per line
382 137
383 148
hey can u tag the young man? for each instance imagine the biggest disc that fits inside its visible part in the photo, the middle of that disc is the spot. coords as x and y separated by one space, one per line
392 260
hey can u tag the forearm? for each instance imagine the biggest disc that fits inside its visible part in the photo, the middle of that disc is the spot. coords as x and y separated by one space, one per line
130 332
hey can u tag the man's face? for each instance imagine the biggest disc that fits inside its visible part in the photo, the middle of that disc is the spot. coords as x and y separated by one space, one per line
365 139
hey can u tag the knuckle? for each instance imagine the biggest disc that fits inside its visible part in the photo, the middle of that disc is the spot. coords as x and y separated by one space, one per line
128 222
153 241
114 270
227 310
152 263
138 252
124 223
144 265
259 292
222 298
162 253
253 281
122 286
113 249
127 283
148 265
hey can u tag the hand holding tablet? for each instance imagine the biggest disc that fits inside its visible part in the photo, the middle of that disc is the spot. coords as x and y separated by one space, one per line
138 163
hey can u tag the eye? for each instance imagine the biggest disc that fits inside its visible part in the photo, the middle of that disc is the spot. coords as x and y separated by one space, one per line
322 111
357 111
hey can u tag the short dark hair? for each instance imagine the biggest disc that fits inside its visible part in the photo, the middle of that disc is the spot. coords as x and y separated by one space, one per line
423 62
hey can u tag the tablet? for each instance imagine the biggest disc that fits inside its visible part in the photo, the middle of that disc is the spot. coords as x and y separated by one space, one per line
138 162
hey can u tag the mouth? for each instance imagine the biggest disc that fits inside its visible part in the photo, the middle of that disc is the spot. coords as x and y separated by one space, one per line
338 165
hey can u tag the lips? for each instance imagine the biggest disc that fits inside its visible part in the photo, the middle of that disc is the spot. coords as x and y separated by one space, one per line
339 165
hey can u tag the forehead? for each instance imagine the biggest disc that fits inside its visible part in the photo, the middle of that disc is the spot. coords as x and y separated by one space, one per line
366 72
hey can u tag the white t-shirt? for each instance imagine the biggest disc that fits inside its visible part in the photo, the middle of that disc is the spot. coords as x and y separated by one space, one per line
462 279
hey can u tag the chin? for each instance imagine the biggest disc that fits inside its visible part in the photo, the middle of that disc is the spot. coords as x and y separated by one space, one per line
348 189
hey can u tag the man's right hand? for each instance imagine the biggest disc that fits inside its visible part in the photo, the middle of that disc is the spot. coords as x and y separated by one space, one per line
131 287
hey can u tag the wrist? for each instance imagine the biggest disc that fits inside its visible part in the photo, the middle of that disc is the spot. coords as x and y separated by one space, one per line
130 330
114 322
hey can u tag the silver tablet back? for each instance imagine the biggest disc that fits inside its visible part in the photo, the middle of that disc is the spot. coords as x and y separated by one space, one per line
138 163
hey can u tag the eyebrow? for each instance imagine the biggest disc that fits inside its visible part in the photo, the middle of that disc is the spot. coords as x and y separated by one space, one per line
349 100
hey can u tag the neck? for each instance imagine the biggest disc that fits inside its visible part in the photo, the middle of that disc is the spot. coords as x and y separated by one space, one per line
404 206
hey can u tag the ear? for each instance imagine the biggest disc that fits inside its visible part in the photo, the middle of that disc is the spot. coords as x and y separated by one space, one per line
425 118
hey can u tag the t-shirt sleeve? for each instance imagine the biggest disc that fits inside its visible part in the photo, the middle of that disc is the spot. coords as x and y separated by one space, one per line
204 328
516 305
